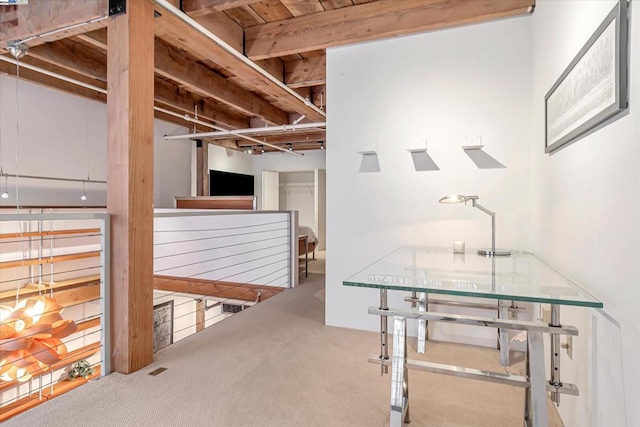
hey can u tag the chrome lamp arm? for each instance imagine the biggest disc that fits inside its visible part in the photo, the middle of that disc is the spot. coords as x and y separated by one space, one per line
493 222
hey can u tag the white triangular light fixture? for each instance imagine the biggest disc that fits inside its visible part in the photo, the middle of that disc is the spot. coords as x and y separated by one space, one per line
480 158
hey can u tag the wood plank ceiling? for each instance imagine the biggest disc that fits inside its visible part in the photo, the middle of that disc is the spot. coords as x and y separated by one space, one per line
286 38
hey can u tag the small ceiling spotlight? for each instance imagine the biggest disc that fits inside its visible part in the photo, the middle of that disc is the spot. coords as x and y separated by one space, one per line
249 150
17 49
84 192
5 194
290 147
261 149
322 145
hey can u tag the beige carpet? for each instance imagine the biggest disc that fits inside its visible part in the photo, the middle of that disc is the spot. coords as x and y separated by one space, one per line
276 364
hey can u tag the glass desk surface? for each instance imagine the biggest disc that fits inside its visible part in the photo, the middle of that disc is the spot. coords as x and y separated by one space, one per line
519 277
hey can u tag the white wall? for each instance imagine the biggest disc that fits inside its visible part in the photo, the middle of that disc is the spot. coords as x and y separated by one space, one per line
56 131
585 221
172 166
282 162
442 86
297 193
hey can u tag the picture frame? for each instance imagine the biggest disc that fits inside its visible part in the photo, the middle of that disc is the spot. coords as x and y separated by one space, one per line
162 325
594 87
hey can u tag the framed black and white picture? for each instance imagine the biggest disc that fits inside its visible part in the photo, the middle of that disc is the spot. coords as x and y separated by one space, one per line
162 325
594 87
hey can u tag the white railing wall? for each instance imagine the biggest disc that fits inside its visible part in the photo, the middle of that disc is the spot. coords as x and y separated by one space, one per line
229 247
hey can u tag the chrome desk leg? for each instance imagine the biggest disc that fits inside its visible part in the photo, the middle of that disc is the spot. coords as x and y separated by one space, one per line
384 351
399 374
422 324
503 335
536 394
555 354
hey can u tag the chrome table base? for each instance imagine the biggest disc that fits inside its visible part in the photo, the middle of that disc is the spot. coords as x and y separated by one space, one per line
535 412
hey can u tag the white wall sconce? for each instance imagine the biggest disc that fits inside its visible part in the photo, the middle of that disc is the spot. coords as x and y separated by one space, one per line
369 162
480 158
422 161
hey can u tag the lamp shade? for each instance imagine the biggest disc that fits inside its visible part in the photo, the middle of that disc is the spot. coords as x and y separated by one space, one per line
454 198
30 337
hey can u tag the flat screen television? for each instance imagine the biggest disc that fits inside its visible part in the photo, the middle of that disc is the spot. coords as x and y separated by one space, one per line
230 184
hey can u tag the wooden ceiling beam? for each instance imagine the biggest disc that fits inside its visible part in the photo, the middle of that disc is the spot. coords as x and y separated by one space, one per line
220 24
297 7
74 57
42 16
182 35
52 82
306 72
276 139
232 145
73 89
174 65
372 21
97 38
201 7
173 96
61 57
335 4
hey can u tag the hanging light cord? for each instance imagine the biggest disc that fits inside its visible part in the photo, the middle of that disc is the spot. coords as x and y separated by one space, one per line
17 137
1 156
24 250
87 139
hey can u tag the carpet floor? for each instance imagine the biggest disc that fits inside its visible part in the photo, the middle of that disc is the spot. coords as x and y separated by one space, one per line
277 364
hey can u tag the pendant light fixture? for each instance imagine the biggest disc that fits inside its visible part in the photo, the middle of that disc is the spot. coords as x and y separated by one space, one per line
31 338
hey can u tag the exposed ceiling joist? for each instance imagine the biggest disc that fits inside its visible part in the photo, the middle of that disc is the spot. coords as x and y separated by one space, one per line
200 7
291 138
174 65
171 95
166 94
371 21
224 27
52 82
40 17
297 7
335 4
97 38
74 57
306 72
183 35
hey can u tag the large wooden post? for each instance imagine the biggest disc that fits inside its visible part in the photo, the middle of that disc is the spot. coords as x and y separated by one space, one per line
202 168
130 184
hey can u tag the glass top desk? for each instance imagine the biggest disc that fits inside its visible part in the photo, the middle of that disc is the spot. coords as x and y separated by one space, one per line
519 277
